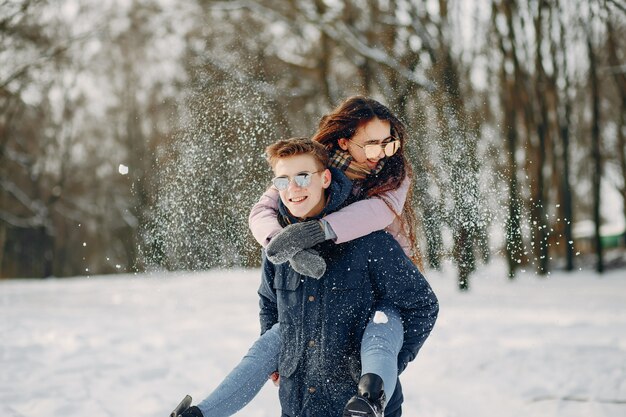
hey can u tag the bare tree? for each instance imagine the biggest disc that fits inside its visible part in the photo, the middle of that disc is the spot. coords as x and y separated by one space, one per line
595 147
618 72
564 111
510 103
34 141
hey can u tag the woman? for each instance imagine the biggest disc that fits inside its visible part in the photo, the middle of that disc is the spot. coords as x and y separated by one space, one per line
366 140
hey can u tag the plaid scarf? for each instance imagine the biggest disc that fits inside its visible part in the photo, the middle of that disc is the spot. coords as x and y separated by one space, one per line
355 171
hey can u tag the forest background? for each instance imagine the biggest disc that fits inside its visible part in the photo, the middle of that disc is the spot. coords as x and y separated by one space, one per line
132 132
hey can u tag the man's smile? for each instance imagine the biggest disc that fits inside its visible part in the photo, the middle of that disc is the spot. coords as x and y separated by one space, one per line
297 199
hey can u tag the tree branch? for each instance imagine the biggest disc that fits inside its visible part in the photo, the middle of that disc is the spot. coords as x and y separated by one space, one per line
341 34
47 55
35 207
618 5
19 221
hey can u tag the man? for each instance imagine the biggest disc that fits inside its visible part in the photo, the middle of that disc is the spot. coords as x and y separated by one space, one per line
322 320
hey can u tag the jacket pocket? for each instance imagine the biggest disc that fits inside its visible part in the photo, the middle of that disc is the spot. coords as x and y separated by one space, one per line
288 295
290 354
286 280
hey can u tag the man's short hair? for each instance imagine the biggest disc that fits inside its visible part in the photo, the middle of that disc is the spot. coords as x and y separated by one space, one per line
297 146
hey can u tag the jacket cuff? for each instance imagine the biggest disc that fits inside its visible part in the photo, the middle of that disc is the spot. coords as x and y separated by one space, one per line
329 233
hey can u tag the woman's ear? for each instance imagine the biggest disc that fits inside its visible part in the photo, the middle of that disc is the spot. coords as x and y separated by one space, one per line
343 143
326 178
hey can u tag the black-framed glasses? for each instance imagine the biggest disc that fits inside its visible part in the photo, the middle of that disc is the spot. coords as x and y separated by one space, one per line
372 150
302 179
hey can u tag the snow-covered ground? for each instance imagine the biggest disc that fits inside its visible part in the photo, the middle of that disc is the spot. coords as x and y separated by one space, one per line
133 346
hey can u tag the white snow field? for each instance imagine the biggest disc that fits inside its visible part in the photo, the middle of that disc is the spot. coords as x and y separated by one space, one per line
135 345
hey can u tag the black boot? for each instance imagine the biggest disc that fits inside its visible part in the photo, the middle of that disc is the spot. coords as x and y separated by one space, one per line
370 398
184 409
192 411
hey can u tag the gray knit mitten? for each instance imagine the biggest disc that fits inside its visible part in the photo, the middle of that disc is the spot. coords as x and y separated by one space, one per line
308 262
292 239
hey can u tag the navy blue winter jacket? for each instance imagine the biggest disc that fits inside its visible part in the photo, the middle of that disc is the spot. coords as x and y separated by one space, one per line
322 320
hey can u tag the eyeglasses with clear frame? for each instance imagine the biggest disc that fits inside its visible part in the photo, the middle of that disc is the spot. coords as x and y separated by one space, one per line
302 179
372 150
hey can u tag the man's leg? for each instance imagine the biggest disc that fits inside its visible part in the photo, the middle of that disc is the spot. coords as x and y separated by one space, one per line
245 381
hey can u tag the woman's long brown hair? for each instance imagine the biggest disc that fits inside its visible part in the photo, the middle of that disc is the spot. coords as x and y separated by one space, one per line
343 122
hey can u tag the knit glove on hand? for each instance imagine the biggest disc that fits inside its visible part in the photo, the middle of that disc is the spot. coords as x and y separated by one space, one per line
292 239
308 262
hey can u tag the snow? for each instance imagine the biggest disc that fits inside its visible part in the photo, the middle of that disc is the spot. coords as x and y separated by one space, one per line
380 317
135 345
122 169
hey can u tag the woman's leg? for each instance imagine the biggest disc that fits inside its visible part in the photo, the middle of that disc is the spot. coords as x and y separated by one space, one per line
244 382
380 346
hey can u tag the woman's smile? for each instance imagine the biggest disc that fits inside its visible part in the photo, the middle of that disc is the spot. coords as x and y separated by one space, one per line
371 164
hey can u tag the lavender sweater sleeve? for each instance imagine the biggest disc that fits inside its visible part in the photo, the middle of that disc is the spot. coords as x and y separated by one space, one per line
263 218
366 216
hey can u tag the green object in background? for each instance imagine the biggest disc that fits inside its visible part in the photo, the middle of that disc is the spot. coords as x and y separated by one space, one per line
612 241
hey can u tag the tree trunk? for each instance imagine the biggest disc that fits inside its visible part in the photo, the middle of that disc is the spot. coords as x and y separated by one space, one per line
460 153
538 204
566 212
324 60
429 206
595 151
566 192
3 239
620 81
514 244
510 103
621 143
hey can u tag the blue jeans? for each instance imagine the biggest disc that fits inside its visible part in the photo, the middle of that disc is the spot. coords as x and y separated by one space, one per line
379 349
379 355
